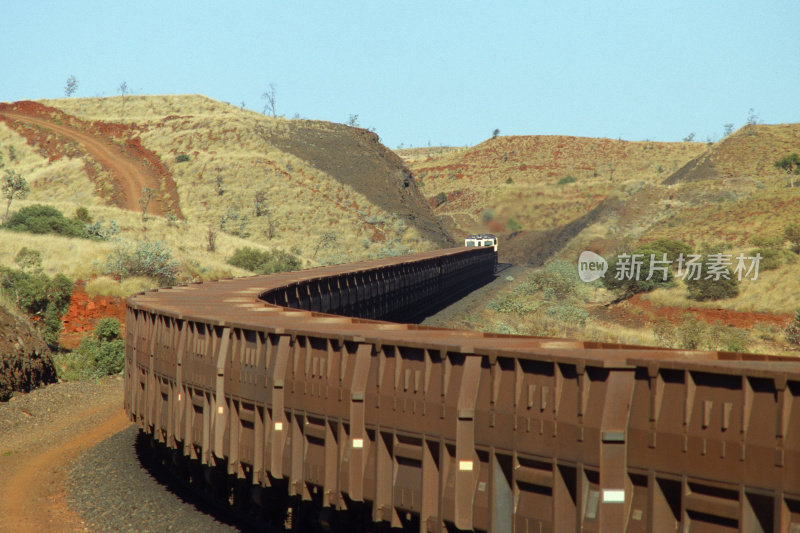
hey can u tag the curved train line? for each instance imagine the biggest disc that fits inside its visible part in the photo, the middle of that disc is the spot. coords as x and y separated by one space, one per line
264 382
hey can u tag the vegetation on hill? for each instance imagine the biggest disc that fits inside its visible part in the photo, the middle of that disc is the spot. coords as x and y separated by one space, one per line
260 194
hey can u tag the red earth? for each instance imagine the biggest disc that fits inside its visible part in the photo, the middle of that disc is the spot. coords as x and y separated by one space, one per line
115 147
637 311
84 313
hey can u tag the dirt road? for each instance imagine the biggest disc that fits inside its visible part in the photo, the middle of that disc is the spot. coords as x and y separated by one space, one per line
131 174
41 433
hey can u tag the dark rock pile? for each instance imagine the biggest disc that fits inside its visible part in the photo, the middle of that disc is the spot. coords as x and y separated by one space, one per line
25 360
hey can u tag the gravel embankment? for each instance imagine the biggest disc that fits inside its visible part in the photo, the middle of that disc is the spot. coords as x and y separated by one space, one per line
112 491
107 485
43 415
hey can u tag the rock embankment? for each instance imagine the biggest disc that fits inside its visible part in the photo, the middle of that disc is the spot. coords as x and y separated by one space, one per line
25 360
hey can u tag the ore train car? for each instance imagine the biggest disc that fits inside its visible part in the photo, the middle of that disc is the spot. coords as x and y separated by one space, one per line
260 387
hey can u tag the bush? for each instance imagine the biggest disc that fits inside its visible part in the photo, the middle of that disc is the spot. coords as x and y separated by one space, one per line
101 354
510 303
567 179
691 333
107 329
792 234
713 289
182 158
27 258
793 330
665 333
45 219
569 314
264 262
33 291
440 199
513 225
151 259
657 249
38 295
557 281
82 214
771 258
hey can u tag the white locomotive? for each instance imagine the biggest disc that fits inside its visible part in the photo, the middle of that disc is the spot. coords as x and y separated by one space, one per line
485 239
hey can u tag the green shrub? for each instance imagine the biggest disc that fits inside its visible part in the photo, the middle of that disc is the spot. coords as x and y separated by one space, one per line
771 258
691 333
793 330
107 329
636 284
557 281
511 303
513 225
38 295
51 325
27 258
713 289
149 258
665 332
182 158
82 214
45 219
440 199
569 314
101 354
792 234
264 262
567 179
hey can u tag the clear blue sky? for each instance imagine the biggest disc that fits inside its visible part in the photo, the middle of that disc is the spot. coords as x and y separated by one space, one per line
432 71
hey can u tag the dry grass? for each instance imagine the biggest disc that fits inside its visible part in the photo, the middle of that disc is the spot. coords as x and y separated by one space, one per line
229 161
83 258
775 291
534 165
106 286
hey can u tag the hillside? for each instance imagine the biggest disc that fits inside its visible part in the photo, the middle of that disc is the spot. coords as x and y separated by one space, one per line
328 192
538 183
552 197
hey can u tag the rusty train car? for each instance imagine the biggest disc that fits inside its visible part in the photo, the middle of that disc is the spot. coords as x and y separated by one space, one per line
297 381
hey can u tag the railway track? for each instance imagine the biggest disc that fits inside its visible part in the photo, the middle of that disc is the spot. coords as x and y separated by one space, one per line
297 382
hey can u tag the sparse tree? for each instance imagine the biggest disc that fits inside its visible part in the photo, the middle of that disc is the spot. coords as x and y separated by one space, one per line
728 128
789 164
27 258
261 209
689 138
269 98
219 185
326 239
14 186
752 121
144 201
611 168
123 90
211 238
495 133
71 86
352 121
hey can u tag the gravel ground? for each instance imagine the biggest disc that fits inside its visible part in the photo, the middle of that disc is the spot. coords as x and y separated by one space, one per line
112 491
37 417
455 314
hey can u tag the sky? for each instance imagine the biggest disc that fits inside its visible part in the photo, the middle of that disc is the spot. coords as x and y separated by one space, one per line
431 72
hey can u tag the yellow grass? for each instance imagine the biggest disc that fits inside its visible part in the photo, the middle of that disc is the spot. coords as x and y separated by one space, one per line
223 144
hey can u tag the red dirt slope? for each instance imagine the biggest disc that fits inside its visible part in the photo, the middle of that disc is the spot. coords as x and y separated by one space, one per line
133 167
